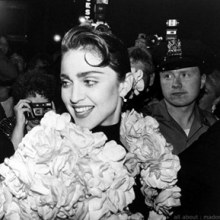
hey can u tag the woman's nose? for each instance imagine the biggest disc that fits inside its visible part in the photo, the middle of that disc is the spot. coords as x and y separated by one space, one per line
78 94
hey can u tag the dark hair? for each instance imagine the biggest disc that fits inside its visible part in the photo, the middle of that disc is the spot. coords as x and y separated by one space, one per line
142 55
110 49
32 83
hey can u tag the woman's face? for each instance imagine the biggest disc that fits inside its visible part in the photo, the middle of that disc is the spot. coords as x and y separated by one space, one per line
90 94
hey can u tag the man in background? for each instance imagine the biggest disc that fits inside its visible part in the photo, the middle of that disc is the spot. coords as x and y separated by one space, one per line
182 66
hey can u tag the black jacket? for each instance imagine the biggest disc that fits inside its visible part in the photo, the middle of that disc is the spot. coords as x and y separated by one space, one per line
6 147
199 177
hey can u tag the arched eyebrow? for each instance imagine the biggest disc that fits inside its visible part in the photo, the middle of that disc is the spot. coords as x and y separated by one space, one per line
83 74
80 74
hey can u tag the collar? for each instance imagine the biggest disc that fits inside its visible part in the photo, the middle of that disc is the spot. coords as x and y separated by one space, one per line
160 112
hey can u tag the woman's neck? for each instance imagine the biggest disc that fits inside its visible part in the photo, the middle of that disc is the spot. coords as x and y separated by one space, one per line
111 131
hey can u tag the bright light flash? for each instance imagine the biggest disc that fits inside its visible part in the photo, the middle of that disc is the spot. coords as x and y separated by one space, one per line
82 19
57 38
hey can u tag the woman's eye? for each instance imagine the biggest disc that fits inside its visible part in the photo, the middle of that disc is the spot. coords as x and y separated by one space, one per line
64 84
90 83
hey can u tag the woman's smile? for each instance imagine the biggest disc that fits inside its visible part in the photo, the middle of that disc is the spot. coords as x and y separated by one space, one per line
83 111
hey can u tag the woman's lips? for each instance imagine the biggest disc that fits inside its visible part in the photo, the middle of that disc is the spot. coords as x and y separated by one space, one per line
82 112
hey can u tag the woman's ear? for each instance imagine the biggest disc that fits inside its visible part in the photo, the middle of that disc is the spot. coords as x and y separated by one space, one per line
126 86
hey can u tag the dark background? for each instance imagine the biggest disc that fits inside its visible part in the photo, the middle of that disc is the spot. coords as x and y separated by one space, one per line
31 24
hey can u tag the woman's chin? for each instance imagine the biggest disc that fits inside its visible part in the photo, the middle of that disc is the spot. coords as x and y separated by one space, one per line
85 124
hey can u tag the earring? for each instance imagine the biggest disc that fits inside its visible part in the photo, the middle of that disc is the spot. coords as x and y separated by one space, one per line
124 99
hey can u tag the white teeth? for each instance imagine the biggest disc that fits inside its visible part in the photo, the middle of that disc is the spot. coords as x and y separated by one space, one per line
82 109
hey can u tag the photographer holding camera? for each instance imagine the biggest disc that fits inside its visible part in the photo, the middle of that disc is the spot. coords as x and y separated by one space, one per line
33 94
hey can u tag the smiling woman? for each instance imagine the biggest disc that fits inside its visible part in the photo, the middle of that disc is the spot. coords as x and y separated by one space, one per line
81 89
93 76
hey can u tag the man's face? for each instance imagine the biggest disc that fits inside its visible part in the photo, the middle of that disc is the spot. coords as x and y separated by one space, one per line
181 87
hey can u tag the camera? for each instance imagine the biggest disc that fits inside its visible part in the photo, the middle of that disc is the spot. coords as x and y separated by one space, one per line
38 110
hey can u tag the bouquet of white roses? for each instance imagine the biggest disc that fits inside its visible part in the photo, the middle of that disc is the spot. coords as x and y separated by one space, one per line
151 156
62 171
